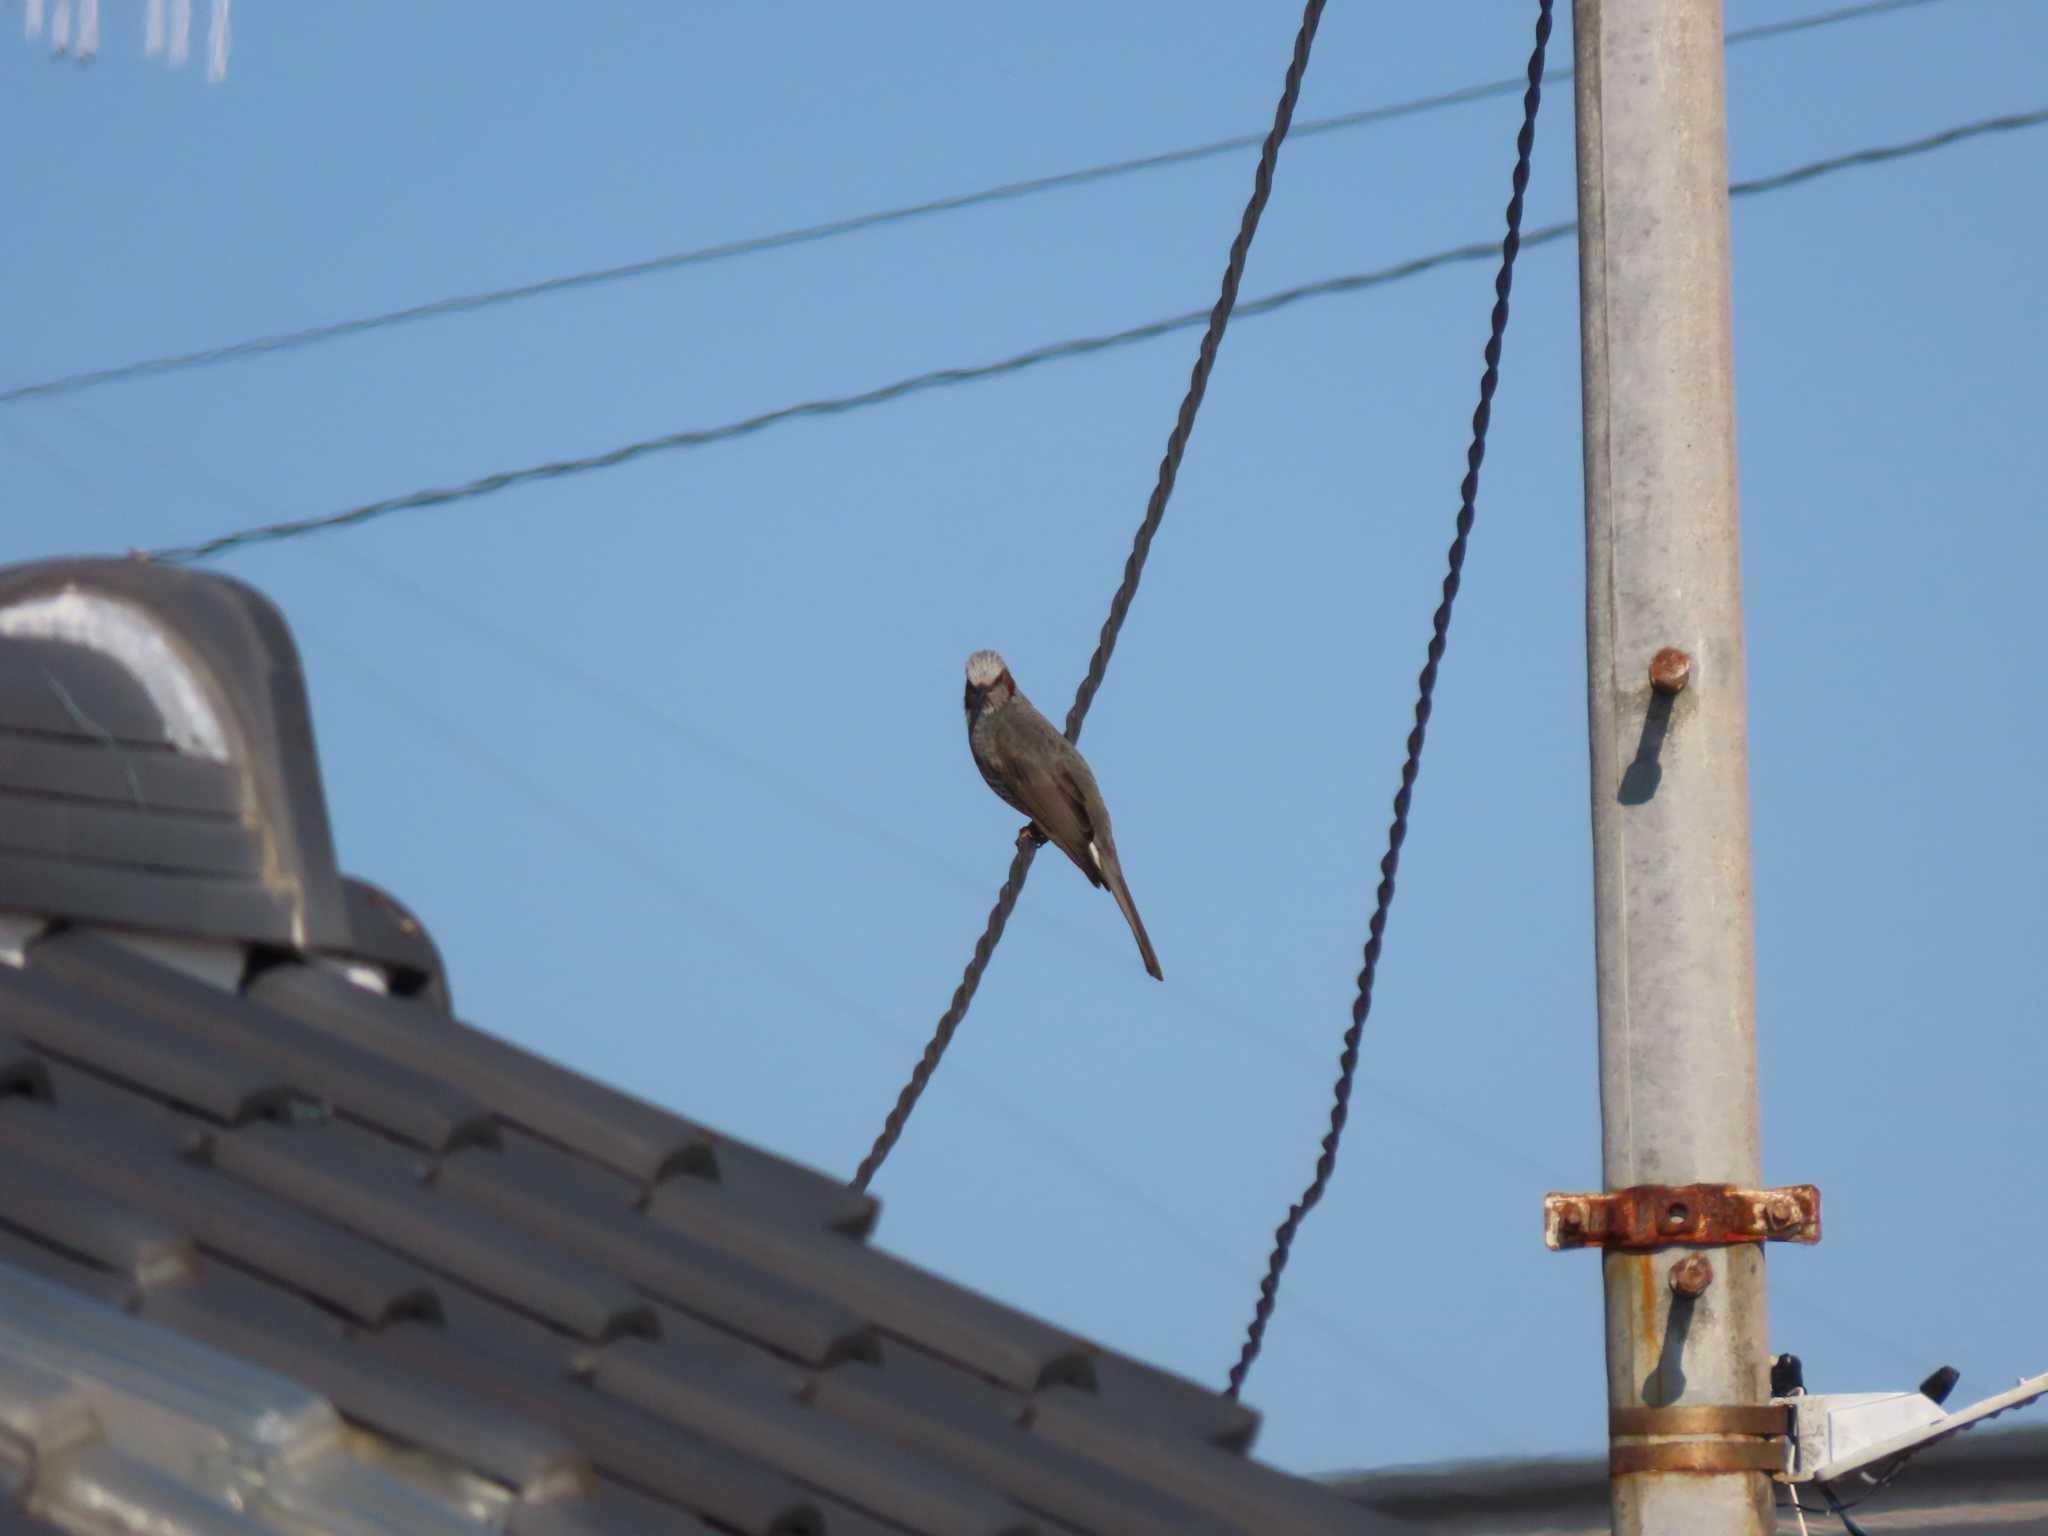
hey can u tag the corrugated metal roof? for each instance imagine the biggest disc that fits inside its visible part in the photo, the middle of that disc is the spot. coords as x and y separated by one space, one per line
291 1250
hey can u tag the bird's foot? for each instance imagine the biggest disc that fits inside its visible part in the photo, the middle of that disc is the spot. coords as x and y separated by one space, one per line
1031 835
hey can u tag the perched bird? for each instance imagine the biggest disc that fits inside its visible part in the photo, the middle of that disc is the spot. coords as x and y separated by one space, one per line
1036 769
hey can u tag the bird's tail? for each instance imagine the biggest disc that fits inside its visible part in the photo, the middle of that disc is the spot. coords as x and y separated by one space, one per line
1113 877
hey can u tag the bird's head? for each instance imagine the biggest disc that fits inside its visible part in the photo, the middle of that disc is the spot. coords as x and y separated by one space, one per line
988 682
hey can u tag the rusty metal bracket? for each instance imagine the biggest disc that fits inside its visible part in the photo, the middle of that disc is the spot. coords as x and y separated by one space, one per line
1697 1456
1700 1419
1746 1438
1704 1215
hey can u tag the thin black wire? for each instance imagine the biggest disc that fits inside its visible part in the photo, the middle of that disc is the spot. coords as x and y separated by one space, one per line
1842 1512
1057 351
2006 123
1440 626
283 341
1120 604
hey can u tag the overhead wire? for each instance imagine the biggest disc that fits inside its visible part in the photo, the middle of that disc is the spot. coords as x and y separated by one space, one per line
465 303
942 378
1120 603
1411 766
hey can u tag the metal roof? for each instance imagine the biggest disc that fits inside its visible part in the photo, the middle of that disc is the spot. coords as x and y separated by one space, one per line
286 1245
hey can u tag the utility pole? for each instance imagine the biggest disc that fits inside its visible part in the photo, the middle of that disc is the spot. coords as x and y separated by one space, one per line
1683 1267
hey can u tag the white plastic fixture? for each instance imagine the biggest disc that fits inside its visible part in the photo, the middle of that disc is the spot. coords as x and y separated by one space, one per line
1867 1434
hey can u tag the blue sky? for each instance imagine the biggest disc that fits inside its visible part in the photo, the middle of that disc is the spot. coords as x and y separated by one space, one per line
670 757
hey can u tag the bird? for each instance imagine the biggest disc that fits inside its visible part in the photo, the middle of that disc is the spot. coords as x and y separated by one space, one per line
1035 769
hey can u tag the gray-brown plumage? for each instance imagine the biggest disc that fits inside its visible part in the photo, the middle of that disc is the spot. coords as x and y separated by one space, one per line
1037 770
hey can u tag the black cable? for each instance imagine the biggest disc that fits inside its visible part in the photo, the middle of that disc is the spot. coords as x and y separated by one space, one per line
941 378
1874 1488
938 378
457 304
1120 604
2006 123
1440 625
1842 1512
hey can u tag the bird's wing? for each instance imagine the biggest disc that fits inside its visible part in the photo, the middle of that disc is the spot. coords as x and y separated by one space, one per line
1054 787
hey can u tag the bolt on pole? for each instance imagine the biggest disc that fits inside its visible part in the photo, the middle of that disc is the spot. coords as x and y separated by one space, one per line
1678 1076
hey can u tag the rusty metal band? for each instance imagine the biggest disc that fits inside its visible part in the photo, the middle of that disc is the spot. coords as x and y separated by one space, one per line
1698 1419
1652 1216
1697 1456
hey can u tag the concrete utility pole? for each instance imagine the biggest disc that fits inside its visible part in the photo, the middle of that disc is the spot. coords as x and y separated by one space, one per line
1678 1076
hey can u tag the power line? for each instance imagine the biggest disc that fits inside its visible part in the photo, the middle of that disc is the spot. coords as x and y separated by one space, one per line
1120 604
1411 765
282 341
1878 155
1083 346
